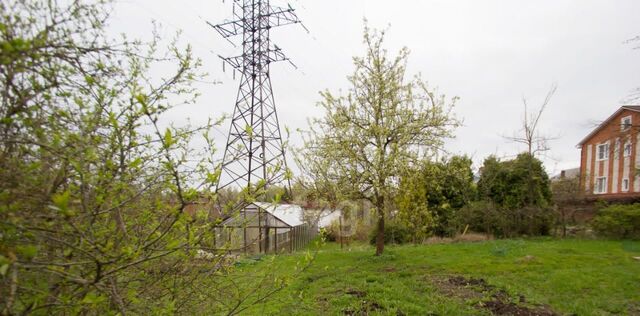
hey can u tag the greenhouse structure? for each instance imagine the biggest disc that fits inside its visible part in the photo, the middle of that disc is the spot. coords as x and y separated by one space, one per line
265 228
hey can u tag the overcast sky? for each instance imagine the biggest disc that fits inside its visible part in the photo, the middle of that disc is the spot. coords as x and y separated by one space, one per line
491 54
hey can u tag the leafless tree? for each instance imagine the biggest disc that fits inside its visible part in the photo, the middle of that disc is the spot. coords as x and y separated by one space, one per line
529 134
635 94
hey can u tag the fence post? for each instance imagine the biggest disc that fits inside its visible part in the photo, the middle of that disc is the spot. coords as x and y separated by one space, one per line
259 232
244 233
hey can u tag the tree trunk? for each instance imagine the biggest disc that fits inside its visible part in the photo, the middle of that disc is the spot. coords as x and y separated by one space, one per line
380 235
564 224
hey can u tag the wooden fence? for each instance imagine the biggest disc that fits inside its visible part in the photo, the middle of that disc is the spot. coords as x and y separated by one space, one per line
292 239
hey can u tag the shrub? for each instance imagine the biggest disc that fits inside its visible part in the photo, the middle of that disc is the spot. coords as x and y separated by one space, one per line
363 231
349 231
331 232
326 234
481 216
394 233
488 217
515 199
618 221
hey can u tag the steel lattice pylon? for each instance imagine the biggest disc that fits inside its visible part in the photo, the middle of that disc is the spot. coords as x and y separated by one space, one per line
254 151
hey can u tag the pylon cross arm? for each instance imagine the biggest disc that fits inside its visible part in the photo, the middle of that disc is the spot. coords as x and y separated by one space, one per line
228 29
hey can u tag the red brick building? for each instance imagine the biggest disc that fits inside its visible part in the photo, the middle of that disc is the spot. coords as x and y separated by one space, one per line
611 155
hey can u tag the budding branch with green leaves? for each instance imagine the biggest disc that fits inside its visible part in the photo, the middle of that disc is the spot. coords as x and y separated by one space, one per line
384 124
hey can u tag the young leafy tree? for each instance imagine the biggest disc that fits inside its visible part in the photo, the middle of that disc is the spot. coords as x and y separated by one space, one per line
413 206
439 189
318 192
383 125
92 186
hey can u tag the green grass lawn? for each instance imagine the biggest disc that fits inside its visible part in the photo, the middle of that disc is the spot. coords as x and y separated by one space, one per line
582 277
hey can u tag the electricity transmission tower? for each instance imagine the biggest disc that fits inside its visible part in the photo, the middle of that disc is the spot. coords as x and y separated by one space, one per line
254 152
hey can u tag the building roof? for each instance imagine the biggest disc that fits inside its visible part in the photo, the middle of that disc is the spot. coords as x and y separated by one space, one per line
634 108
567 174
290 214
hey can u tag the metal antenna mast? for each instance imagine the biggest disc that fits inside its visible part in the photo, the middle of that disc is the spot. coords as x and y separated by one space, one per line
254 151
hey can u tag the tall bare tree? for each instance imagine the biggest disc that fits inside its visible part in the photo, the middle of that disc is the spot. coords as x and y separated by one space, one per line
529 135
635 95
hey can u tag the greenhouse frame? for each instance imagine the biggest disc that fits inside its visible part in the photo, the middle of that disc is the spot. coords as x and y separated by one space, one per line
265 228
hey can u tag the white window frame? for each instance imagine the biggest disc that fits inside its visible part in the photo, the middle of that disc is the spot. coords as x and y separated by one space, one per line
596 187
625 185
627 144
605 151
623 123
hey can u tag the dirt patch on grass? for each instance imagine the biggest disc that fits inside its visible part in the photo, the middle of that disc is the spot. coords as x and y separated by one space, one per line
457 287
634 309
365 306
462 281
389 269
495 300
356 293
501 304
364 309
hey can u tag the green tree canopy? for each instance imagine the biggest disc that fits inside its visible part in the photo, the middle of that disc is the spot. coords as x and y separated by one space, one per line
384 124
518 196
516 183
430 194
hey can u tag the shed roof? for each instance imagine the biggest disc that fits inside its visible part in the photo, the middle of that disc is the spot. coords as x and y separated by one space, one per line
290 214
634 108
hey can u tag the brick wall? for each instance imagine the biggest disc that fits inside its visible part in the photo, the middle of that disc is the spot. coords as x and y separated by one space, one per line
617 167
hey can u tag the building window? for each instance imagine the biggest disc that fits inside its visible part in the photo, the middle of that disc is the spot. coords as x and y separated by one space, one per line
603 151
627 149
601 185
625 123
625 185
